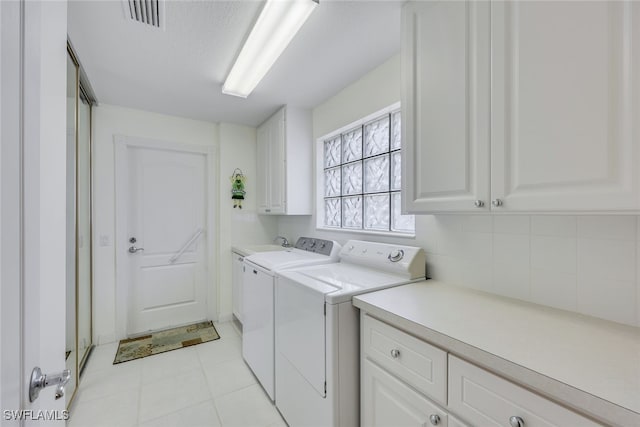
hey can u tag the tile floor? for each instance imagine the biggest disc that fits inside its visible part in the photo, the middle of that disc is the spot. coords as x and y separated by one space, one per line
205 385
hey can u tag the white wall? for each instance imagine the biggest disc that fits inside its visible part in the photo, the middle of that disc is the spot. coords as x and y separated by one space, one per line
238 226
587 264
236 148
374 91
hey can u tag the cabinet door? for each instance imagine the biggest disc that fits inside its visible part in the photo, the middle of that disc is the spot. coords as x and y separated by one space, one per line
236 282
565 105
387 402
277 163
445 106
262 168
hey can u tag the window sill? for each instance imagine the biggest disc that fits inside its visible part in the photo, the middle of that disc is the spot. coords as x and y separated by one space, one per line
369 232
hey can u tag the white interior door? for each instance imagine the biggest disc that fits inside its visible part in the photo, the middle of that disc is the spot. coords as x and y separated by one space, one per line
166 215
32 205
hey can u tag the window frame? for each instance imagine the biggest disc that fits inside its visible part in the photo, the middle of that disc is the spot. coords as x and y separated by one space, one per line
319 174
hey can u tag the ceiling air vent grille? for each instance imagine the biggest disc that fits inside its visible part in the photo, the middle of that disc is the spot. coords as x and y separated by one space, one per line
149 12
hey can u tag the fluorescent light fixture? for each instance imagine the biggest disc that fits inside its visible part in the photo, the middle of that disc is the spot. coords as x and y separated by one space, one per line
278 22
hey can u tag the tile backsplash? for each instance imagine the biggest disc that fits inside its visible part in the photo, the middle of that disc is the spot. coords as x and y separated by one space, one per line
586 264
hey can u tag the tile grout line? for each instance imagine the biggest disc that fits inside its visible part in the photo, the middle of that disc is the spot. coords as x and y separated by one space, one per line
139 393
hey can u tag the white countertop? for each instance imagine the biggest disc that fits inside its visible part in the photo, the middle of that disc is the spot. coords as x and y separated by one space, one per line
581 361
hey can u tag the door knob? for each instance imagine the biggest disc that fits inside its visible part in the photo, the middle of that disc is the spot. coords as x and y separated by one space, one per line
133 249
516 421
40 381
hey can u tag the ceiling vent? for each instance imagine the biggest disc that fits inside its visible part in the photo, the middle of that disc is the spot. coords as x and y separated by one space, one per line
148 12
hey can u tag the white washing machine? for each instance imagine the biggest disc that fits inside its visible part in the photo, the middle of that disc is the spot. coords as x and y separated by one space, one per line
258 300
318 330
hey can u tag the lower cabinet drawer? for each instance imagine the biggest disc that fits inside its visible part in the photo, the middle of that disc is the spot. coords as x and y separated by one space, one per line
388 402
415 362
484 399
455 422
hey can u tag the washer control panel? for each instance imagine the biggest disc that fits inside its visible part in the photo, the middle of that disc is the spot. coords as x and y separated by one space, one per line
318 246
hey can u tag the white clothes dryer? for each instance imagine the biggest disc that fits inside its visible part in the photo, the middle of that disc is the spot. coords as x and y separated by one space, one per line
318 330
258 300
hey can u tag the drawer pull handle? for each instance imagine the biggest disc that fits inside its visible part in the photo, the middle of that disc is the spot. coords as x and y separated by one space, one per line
435 419
395 353
516 422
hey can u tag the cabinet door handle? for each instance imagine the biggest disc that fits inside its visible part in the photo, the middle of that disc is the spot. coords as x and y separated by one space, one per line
435 419
395 353
255 272
478 204
516 421
496 203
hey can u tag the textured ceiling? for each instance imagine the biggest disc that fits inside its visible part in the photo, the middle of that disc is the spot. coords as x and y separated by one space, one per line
180 70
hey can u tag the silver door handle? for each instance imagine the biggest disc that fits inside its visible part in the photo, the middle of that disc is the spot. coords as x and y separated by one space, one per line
40 381
133 249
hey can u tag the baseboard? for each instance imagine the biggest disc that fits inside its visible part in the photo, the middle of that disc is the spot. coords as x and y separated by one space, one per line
225 318
106 339
237 325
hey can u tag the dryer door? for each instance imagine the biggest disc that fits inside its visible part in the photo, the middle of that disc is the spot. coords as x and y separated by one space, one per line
300 329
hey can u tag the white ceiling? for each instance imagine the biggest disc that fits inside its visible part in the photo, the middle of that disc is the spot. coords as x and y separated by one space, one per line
180 70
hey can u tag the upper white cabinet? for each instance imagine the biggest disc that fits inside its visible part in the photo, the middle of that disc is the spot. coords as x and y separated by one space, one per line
445 105
521 106
284 156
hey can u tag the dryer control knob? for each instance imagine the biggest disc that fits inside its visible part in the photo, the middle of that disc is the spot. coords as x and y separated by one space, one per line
395 256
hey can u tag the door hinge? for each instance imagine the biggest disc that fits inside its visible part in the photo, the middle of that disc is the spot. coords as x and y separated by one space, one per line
325 388
325 309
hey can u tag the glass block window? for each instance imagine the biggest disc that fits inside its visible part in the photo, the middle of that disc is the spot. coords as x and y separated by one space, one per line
362 177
